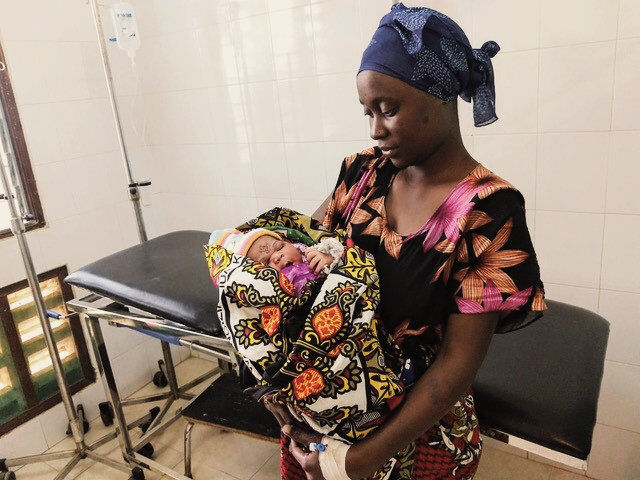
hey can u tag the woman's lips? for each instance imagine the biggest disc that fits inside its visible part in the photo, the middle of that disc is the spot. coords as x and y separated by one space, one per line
388 150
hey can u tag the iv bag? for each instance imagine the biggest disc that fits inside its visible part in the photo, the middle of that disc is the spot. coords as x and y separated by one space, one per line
126 28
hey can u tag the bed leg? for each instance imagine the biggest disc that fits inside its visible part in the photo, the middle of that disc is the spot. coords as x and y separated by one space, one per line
171 371
187 450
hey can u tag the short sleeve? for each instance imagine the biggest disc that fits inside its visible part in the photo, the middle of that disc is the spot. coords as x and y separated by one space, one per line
495 267
351 171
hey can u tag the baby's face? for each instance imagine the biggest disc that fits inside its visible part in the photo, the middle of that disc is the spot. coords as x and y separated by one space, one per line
275 253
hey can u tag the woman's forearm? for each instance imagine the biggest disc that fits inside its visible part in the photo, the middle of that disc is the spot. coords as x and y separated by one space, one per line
465 345
425 405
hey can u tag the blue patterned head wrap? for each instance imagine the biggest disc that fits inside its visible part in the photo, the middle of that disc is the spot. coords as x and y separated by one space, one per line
429 51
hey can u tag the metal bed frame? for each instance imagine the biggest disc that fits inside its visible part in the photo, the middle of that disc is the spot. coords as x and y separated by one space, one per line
95 307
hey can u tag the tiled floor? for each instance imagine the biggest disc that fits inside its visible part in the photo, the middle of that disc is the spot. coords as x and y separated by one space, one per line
221 455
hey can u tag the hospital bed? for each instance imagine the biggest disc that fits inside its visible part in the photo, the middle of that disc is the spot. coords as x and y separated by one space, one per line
537 389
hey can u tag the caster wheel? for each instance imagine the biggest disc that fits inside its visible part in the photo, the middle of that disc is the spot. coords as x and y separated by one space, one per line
9 476
106 413
160 379
146 450
154 413
81 416
137 474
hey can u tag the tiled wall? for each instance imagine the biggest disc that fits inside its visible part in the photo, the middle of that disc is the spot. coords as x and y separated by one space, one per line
56 73
235 106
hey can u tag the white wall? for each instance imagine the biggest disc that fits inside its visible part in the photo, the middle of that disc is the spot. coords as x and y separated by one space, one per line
56 73
244 104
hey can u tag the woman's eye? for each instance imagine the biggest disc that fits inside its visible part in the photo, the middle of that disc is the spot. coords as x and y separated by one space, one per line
390 113
368 114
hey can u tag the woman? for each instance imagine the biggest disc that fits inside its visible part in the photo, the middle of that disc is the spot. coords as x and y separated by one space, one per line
447 285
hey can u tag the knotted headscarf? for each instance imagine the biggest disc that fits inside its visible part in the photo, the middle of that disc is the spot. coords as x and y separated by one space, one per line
429 51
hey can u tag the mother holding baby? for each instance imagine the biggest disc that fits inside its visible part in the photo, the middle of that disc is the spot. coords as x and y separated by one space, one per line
451 244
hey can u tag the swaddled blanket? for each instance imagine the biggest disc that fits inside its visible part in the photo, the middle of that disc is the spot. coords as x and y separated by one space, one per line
320 353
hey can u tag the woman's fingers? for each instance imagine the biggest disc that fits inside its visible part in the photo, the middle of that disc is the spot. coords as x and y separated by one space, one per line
282 415
308 461
301 435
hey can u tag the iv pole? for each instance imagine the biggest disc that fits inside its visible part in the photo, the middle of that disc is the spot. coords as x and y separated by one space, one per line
18 221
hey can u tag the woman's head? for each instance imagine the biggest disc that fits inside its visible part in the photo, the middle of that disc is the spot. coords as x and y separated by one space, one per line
422 59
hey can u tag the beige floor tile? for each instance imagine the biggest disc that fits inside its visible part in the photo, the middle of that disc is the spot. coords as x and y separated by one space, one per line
201 471
499 465
491 443
100 471
560 466
233 453
270 470
558 474
36 471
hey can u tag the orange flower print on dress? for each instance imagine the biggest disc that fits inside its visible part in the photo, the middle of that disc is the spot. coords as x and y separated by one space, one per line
335 351
327 322
490 262
309 382
270 316
286 285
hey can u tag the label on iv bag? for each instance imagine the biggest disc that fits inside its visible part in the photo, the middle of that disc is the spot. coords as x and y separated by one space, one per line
126 28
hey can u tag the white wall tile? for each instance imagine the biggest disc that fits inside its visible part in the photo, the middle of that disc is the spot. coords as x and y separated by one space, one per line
262 112
461 11
39 126
512 157
235 162
592 21
228 114
513 25
305 162
218 49
275 5
619 396
621 255
85 127
270 170
629 19
254 55
342 117
336 36
301 109
567 101
179 118
292 38
246 8
625 103
579 296
516 80
614 455
571 169
621 310
624 169
569 247
55 189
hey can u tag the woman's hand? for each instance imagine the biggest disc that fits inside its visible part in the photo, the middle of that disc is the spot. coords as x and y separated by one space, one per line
300 440
318 260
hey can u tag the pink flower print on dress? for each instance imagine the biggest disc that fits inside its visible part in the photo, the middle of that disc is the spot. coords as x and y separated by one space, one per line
492 300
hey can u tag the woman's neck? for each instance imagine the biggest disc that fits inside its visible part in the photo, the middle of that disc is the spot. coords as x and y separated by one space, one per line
447 163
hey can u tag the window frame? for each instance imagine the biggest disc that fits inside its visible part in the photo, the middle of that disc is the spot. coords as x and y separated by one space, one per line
35 408
8 103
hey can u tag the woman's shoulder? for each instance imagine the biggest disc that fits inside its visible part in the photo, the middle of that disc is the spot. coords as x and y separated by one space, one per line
493 191
355 164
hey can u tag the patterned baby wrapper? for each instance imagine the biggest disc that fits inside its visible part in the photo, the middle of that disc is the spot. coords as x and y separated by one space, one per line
334 376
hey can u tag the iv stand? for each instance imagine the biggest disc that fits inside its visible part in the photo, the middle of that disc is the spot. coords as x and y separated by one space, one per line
133 186
18 221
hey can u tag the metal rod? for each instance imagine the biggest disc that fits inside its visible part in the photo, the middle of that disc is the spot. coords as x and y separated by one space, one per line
134 192
42 457
187 450
197 381
109 382
68 467
108 461
152 432
148 398
171 370
18 229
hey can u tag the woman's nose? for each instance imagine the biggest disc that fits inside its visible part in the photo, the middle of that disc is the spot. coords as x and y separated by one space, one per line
377 130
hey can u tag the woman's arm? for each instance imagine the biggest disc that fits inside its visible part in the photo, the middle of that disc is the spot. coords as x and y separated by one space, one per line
465 343
322 209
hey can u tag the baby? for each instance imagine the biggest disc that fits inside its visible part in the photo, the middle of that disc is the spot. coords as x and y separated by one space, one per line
298 262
